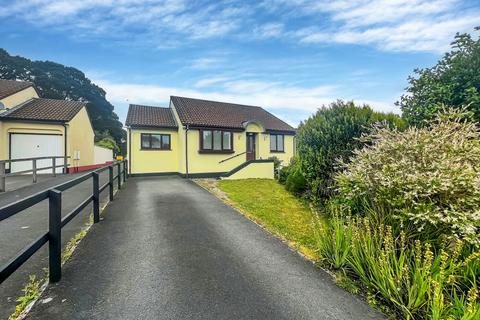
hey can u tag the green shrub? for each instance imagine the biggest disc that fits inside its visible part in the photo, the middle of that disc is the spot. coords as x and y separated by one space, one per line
330 135
276 165
428 179
285 171
296 182
283 174
108 143
412 279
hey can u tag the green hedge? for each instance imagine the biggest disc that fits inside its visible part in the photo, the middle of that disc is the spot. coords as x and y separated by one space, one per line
331 135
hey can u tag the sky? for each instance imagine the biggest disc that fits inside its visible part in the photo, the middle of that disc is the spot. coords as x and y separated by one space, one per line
288 56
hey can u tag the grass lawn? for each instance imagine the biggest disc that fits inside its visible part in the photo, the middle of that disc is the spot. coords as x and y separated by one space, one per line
270 205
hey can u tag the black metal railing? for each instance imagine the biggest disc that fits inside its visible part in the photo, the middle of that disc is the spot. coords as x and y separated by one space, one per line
239 154
35 169
56 223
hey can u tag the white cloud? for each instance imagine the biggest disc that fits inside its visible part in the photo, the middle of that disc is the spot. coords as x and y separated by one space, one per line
395 25
392 25
152 19
274 96
269 30
293 102
371 12
210 81
206 63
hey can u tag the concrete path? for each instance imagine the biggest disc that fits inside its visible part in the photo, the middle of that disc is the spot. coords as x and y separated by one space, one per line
21 229
167 249
18 187
16 182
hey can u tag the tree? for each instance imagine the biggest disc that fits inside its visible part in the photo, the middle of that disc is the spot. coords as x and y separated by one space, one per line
454 81
331 135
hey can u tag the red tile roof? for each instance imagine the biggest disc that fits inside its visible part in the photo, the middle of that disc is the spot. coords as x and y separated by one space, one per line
39 109
147 116
205 113
9 87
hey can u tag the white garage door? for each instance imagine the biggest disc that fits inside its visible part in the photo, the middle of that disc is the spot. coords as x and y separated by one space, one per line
35 145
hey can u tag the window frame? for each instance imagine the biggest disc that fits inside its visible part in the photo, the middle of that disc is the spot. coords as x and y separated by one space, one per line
276 150
212 150
161 135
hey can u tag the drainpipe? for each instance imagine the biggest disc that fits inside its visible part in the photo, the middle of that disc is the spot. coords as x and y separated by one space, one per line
129 150
186 152
294 145
65 146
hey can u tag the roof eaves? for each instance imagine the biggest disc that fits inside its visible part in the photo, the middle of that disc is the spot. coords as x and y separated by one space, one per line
15 108
19 119
19 89
146 127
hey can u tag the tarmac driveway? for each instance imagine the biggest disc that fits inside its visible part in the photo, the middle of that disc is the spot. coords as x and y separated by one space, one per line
167 249
20 230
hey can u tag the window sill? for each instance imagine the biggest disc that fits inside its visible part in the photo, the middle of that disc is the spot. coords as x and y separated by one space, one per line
273 151
155 149
216 151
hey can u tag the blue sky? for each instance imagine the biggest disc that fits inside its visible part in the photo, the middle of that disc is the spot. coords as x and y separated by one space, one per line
290 56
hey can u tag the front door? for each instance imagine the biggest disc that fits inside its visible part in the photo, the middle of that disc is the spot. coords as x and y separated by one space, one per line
250 146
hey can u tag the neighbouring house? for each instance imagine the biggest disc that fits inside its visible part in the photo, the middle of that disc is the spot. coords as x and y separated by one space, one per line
200 138
31 126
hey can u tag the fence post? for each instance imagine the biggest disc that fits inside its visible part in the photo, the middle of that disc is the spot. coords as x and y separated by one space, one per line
55 235
65 165
110 181
2 177
124 175
126 169
54 165
119 176
34 170
96 197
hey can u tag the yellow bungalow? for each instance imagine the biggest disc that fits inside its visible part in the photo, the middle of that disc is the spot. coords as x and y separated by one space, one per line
201 138
34 127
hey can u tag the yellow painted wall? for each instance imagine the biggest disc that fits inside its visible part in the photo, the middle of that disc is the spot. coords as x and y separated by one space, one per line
263 144
262 170
80 136
148 161
264 141
19 97
208 163
23 127
181 141
154 161
254 127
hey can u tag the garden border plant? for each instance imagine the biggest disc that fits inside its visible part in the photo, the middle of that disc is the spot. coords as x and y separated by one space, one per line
329 135
392 196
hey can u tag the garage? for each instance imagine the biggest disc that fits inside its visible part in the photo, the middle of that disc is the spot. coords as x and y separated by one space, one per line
28 145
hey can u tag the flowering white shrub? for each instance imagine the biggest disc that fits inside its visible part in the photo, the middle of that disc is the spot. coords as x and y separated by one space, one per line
429 178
